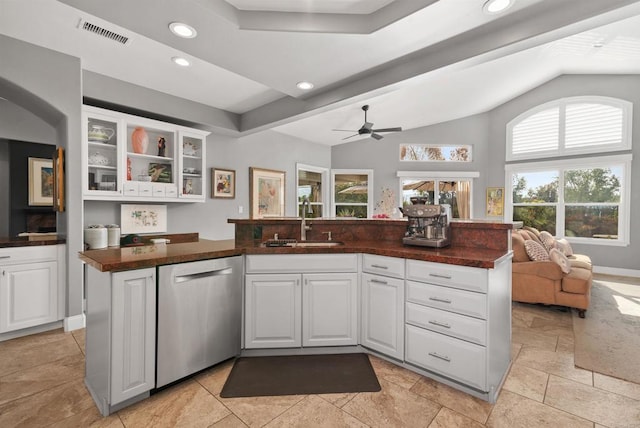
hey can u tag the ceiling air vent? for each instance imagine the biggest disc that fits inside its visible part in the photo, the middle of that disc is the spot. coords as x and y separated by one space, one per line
103 32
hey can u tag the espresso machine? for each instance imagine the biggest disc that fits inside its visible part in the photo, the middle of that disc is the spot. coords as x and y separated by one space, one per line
428 225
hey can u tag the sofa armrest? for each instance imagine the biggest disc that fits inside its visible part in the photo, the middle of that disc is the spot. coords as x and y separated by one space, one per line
545 269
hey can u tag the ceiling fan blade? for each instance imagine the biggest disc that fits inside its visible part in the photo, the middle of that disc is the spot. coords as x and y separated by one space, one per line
345 130
367 125
376 136
354 135
398 129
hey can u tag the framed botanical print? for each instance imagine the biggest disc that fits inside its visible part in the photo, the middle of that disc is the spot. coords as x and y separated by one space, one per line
266 192
223 183
495 201
41 182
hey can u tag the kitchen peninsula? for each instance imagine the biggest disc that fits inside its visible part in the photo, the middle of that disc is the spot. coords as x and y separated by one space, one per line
444 313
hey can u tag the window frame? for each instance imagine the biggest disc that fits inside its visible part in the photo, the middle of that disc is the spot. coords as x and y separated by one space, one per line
438 176
624 206
370 191
467 146
324 173
627 115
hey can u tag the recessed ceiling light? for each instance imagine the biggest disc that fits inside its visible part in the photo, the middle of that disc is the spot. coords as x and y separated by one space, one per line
181 61
305 86
181 29
497 6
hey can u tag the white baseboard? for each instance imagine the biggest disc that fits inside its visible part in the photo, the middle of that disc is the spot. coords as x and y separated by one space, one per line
616 271
75 322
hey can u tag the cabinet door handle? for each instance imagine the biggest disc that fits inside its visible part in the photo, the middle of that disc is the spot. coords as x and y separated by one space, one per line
5 257
377 281
435 275
380 266
437 299
439 324
441 357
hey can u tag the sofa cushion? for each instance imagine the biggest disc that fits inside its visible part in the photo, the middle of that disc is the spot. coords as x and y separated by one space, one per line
556 256
535 251
577 281
581 261
548 240
517 245
527 235
564 246
532 229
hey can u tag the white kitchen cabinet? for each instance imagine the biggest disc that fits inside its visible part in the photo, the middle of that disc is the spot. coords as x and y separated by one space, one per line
383 305
131 158
120 337
315 303
273 311
458 323
330 309
30 293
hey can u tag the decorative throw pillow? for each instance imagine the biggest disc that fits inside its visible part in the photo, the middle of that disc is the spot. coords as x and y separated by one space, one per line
556 256
532 229
564 246
548 240
535 251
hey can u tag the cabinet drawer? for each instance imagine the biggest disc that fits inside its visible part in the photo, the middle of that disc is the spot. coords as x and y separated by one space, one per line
448 299
301 263
453 358
171 191
460 326
158 190
145 189
466 278
28 254
130 188
382 265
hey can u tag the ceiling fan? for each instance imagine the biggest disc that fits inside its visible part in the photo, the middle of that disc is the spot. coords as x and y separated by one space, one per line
367 128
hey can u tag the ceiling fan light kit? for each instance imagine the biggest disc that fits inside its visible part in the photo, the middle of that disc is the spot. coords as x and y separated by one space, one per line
367 128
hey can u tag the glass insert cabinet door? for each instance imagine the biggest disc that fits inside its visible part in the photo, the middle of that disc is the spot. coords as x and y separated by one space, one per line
191 149
101 150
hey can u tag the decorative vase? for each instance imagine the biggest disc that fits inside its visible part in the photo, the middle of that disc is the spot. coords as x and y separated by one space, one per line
139 140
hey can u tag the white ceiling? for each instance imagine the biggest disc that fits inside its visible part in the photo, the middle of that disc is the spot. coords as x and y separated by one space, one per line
444 61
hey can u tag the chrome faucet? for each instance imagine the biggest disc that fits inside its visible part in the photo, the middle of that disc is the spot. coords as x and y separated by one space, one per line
306 208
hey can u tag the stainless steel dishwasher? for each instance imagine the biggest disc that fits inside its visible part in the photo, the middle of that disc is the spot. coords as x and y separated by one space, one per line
199 316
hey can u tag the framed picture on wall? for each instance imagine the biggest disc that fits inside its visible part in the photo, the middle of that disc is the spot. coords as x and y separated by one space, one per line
495 201
266 193
223 183
143 218
41 182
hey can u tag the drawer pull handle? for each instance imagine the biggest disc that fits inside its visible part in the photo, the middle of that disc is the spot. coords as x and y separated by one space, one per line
440 324
380 266
377 281
441 357
437 299
5 257
435 275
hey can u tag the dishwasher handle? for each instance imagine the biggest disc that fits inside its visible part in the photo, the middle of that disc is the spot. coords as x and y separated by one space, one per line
184 278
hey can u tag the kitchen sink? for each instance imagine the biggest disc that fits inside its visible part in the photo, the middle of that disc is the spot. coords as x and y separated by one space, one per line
301 244
317 244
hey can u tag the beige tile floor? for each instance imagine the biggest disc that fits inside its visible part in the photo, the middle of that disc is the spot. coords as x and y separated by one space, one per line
41 385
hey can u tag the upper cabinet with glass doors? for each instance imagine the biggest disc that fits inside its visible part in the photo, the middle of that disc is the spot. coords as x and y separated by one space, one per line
132 158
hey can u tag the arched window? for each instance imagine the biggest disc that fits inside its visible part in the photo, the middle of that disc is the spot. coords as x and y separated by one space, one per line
583 198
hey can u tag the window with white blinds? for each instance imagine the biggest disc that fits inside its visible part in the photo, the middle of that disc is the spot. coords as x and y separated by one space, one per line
577 125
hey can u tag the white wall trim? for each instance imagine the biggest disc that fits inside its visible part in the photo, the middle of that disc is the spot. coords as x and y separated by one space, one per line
616 271
75 322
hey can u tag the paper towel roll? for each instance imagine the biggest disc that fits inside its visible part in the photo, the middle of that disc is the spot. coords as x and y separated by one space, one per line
96 237
114 236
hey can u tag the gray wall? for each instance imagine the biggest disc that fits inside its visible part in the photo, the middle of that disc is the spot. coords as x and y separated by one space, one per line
53 93
383 155
619 86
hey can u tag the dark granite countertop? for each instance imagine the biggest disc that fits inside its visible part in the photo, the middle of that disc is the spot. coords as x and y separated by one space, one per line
128 258
26 241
